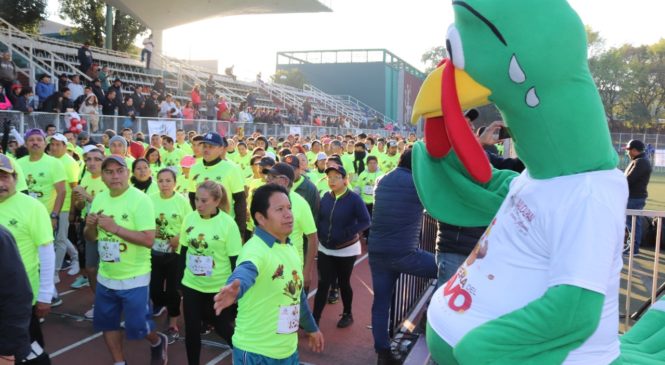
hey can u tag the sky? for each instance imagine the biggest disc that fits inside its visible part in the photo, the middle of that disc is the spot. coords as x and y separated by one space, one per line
406 28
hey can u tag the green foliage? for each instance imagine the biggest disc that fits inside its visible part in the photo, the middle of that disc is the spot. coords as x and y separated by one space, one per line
292 77
24 14
89 18
432 57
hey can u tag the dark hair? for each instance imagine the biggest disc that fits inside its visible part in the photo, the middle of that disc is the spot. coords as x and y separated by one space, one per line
49 126
125 130
372 158
360 144
166 169
151 150
168 139
241 143
261 199
371 139
405 160
136 162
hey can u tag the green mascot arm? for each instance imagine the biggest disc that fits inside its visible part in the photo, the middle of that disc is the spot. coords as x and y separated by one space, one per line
645 343
450 195
543 332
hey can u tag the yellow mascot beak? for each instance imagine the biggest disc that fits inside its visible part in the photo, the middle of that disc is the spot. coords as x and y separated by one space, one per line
428 102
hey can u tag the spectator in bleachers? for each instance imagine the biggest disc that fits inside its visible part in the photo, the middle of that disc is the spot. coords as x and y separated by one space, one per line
5 104
245 116
98 90
44 88
105 77
188 112
23 101
211 107
151 106
85 57
58 102
63 81
7 72
196 97
89 110
75 87
223 112
229 72
127 110
78 101
139 99
251 100
160 88
166 106
117 87
146 52
109 104
14 94
93 71
306 110
210 86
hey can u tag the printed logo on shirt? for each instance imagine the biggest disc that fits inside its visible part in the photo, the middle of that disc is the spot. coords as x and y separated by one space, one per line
279 273
522 215
13 222
293 287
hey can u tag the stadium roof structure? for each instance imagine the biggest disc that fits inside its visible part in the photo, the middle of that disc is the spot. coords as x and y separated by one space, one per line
164 14
347 56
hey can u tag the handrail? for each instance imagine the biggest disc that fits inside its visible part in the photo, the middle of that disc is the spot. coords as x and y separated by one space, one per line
32 46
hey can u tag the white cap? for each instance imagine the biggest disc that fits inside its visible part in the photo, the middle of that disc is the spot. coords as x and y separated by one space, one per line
270 154
59 137
321 156
91 147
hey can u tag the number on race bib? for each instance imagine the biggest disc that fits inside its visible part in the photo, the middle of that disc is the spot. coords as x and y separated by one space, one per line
161 246
109 251
368 190
200 265
289 319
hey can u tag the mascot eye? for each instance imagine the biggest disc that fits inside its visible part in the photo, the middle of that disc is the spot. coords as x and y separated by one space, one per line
454 47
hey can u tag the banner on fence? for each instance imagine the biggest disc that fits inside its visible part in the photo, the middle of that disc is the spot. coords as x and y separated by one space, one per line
162 127
295 130
659 158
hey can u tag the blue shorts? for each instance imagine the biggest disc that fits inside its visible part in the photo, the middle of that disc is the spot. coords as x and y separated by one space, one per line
241 357
134 303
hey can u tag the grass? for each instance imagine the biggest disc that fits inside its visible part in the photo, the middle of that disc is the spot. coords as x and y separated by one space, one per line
656 200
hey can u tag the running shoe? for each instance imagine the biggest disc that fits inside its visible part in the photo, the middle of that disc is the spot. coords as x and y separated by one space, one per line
80 282
56 302
90 314
159 353
173 334
345 321
333 296
66 265
74 269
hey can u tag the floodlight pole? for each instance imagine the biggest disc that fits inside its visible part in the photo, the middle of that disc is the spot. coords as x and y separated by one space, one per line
108 41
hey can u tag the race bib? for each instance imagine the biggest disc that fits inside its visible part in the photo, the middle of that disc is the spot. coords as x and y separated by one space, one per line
109 251
161 246
199 265
33 194
368 190
289 319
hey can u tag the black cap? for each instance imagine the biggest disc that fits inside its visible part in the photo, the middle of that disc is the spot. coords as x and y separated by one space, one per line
472 114
635 145
267 161
282 168
338 168
292 160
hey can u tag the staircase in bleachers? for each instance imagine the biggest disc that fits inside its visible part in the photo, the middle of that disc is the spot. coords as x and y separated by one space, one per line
35 55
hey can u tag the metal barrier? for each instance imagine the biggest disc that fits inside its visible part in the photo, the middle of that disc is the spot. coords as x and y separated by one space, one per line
410 289
656 291
26 121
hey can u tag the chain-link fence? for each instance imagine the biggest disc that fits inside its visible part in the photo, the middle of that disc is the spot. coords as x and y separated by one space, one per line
655 148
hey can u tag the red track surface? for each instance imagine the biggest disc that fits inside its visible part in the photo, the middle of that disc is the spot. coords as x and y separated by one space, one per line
73 340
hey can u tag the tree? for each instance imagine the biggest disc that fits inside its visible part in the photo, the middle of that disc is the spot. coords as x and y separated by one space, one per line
595 43
89 16
291 77
24 14
432 58
610 73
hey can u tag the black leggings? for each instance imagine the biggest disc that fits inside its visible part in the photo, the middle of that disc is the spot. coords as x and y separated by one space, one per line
331 268
199 307
165 269
36 336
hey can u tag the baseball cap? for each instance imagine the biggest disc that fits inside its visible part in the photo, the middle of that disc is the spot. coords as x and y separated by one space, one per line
114 158
58 137
321 156
472 114
35 131
214 139
282 168
292 160
90 148
635 145
339 169
392 144
267 161
187 161
6 164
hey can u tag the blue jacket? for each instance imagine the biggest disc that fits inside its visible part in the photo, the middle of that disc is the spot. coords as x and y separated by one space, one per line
341 220
44 90
397 216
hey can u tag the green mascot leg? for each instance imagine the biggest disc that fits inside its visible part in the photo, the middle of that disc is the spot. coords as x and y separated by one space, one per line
441 352
543 332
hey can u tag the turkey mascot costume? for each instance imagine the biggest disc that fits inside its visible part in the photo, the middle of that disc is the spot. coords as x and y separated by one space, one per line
542 285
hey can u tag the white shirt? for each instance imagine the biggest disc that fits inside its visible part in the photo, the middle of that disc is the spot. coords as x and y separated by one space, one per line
561 231
148 44
165 107
76 89
245 117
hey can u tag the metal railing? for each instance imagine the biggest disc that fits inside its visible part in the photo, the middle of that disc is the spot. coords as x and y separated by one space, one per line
26 121
656 290
409 289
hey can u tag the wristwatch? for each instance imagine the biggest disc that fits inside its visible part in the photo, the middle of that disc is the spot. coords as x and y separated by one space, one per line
55 215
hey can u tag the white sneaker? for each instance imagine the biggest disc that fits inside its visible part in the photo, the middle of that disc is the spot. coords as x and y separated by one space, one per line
90 314
56 278
74 269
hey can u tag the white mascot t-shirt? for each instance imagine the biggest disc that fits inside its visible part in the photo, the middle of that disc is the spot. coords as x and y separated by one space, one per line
561 231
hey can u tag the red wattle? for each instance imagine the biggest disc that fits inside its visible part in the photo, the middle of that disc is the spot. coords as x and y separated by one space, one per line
436 137
461 137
